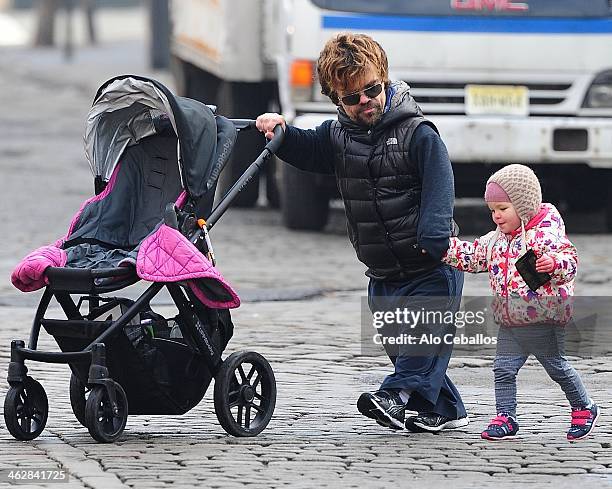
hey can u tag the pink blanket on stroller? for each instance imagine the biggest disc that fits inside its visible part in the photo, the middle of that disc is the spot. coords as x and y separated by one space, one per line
164 256
29 275
167 256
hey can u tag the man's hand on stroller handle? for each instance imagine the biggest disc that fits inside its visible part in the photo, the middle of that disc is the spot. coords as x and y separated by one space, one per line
267 122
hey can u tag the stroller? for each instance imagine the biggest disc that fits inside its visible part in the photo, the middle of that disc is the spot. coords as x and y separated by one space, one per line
156 158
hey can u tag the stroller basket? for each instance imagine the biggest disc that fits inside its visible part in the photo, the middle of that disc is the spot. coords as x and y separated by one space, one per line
158 375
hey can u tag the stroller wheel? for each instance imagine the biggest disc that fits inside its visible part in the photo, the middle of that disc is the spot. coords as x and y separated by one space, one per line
105 421
79 392
26 409
245 393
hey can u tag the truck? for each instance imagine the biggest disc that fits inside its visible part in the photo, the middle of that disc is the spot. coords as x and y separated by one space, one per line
504 81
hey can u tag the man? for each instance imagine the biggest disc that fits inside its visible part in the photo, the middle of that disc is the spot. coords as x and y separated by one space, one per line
396 181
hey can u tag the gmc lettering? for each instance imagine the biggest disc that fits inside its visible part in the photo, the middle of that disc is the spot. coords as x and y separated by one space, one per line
490 5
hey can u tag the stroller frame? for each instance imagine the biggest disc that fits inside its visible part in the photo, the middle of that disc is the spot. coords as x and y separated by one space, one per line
105 411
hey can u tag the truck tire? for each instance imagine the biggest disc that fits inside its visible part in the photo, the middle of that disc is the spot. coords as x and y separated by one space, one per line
305 203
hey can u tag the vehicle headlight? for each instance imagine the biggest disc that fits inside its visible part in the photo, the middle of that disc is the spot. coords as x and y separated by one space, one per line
599 95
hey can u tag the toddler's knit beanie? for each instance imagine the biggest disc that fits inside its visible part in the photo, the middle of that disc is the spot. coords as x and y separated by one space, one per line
518 185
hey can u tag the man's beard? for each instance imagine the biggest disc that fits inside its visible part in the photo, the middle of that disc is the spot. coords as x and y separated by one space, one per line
371 119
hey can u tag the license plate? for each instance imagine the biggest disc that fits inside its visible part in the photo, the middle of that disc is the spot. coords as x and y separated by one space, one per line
496 100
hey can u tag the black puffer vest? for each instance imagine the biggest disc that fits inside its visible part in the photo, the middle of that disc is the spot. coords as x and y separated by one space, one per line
381 188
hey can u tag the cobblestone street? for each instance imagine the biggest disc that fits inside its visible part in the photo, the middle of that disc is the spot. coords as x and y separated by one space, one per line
301 309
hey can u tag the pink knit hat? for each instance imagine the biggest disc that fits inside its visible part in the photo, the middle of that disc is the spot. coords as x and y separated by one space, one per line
494 193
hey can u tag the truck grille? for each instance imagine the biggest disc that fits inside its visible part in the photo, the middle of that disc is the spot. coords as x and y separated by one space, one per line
449 97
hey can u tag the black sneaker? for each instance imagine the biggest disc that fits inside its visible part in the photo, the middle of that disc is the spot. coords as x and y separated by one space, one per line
583 422
432 422
384 406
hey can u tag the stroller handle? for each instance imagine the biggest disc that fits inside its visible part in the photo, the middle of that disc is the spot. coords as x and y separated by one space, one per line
247 124
243 124
277 140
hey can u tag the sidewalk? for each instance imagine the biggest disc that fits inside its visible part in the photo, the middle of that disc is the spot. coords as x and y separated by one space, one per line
316 437
122 48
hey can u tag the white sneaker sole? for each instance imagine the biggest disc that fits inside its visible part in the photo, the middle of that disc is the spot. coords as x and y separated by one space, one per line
507 438
449 425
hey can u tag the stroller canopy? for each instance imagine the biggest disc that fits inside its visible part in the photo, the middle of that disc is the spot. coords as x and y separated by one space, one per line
129 108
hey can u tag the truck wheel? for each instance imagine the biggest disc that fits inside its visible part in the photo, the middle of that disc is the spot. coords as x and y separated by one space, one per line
305 203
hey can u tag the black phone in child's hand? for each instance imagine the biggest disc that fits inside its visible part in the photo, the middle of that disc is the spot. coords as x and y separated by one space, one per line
526 266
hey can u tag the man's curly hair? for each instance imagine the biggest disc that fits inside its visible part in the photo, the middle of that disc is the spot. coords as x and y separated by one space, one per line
345 57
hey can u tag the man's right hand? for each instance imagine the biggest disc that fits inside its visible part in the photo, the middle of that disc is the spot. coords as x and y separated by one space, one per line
267 122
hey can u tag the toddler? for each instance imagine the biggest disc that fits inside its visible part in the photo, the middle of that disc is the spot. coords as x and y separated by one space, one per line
531 321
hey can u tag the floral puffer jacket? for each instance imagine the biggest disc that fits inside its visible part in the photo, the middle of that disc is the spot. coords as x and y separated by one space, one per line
515 304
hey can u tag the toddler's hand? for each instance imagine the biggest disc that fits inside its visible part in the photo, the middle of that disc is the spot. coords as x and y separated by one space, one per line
545 264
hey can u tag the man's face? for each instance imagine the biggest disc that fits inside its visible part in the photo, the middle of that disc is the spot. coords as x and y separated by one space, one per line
367 111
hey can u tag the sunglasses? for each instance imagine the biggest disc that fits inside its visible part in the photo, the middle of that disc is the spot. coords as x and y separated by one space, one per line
370 92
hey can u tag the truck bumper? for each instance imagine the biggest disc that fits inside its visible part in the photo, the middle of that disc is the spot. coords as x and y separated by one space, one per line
531 140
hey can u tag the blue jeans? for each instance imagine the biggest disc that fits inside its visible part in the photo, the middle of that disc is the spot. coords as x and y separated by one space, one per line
545 342
424 375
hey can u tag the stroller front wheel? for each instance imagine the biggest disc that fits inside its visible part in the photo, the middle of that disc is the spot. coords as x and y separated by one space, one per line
245 393
26 409
106 420
79 393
